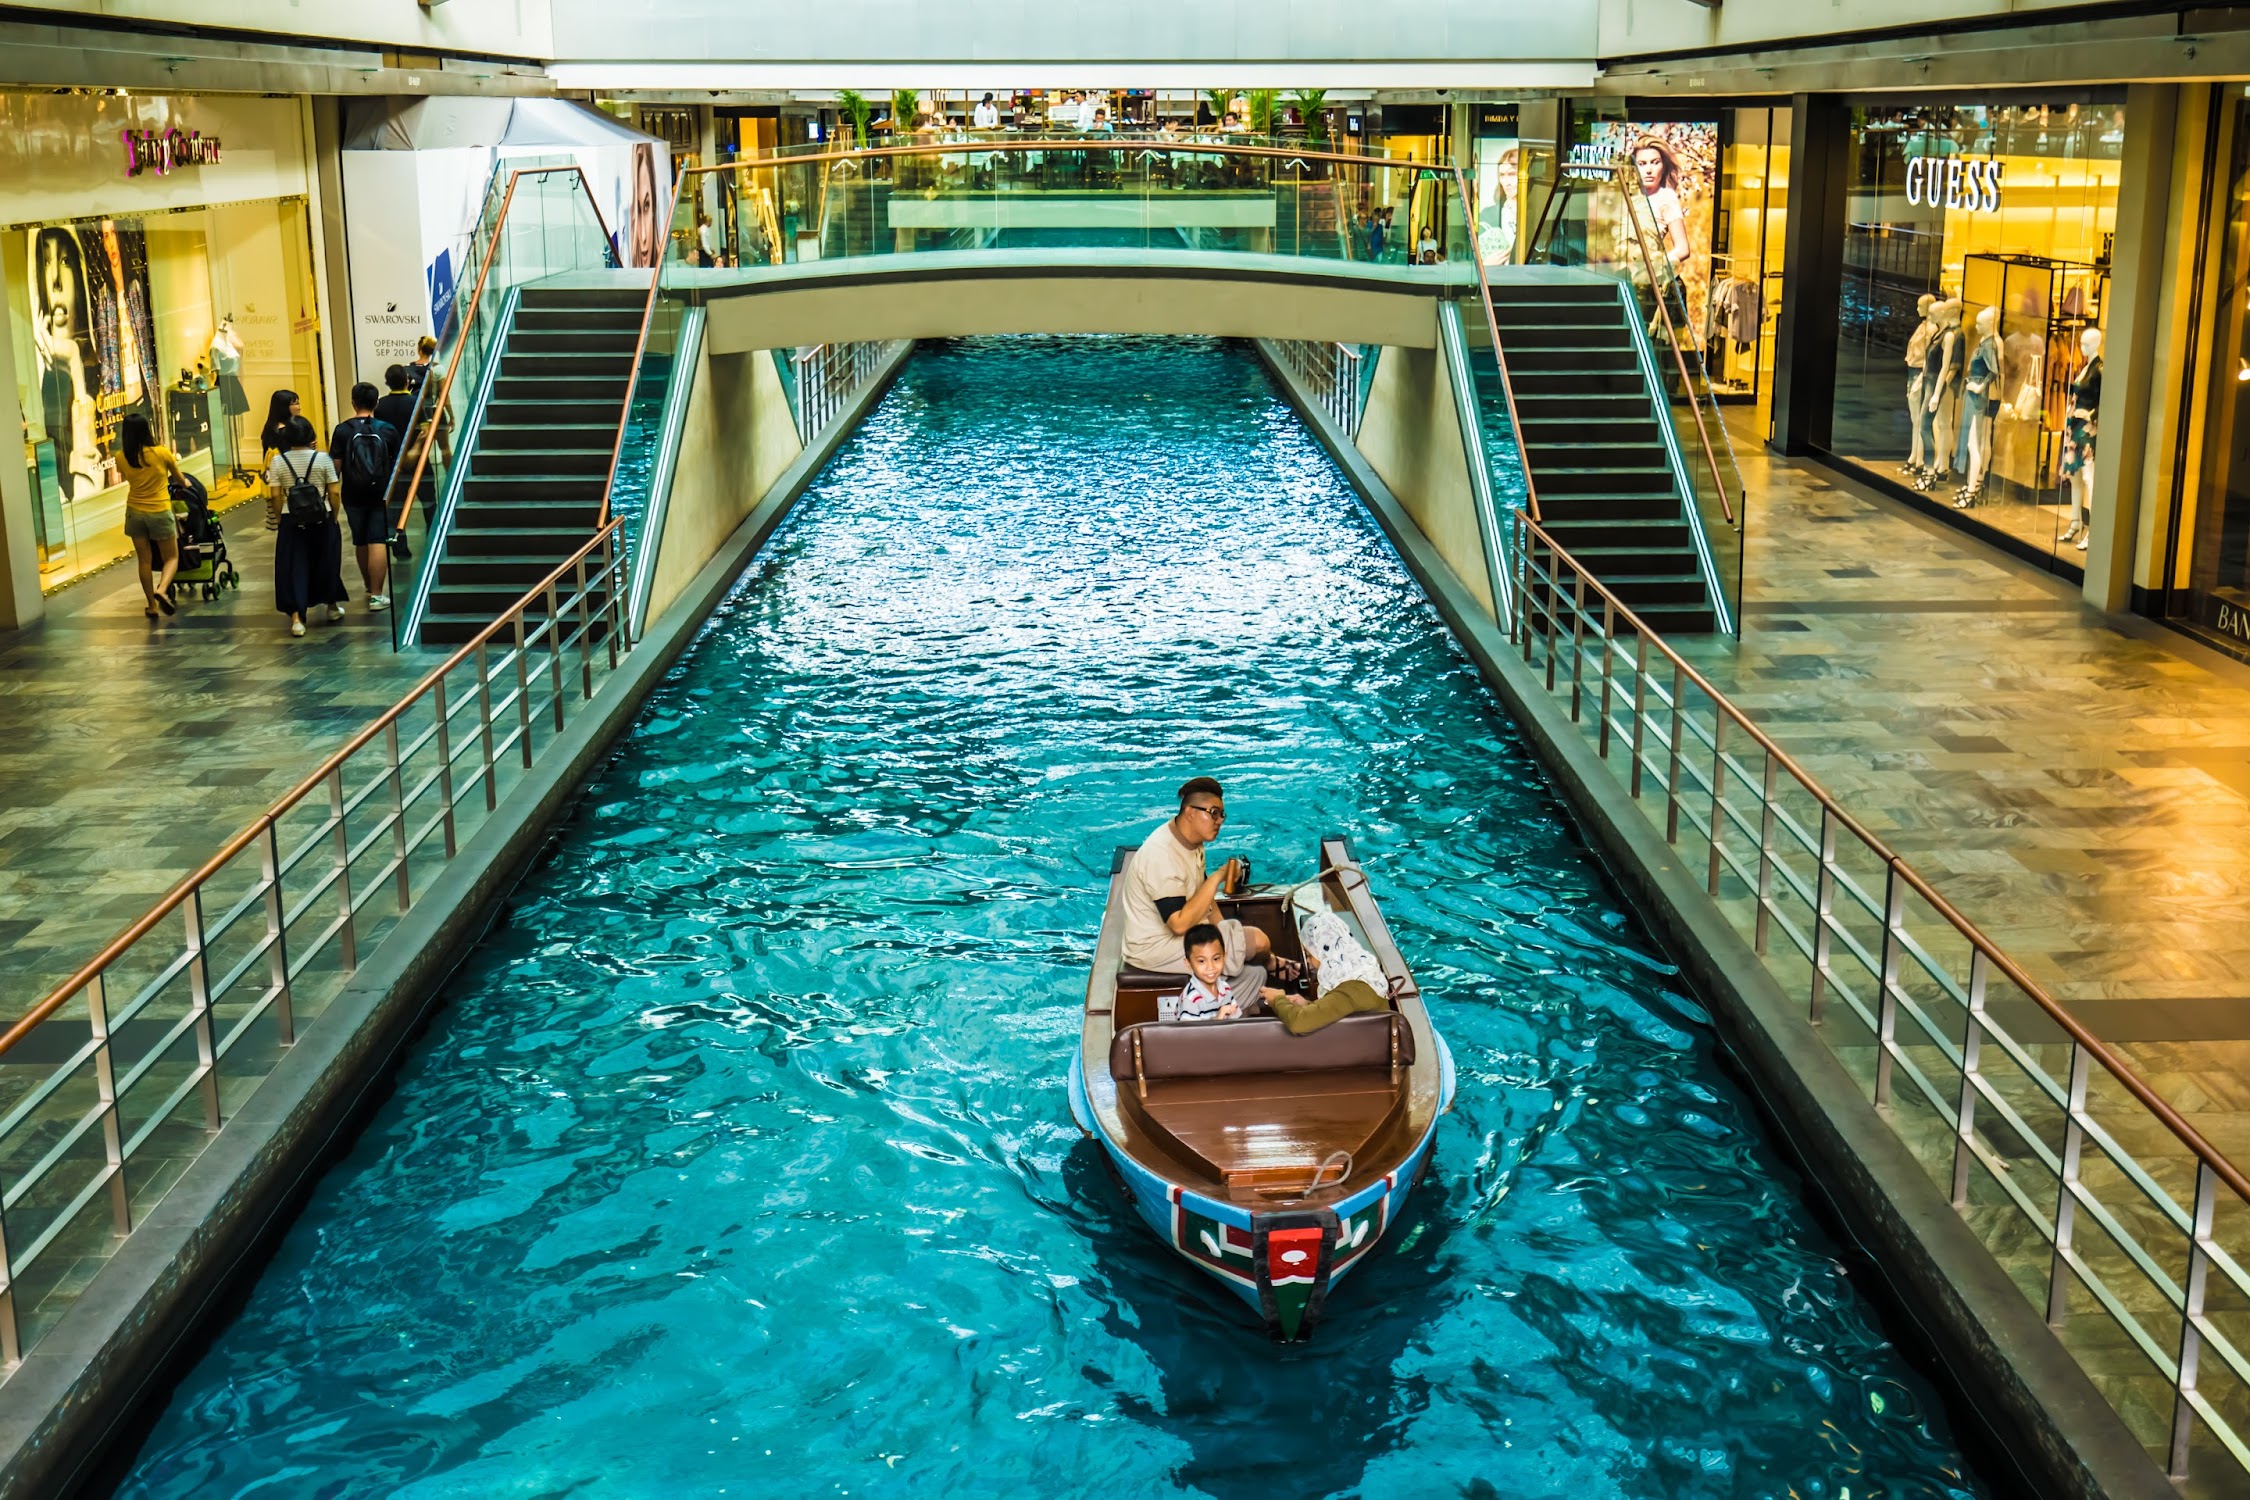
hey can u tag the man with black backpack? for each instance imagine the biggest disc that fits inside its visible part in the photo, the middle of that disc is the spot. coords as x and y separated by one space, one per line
364 451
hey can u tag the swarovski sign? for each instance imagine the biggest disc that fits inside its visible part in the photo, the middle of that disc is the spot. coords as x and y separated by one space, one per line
1933 181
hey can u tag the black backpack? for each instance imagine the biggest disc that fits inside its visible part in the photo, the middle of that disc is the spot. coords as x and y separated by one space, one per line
367 458
307 502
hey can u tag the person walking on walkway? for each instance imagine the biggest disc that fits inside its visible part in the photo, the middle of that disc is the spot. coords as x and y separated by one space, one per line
150 472
272 439
308 552
364 450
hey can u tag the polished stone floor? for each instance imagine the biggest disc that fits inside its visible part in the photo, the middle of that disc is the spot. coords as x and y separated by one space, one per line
2077 784
130 749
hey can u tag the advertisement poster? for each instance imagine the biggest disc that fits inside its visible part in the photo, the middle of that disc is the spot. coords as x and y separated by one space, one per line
1498 181
1675 163
93 339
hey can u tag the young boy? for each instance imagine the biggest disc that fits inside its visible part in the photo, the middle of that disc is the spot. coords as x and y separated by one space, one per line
1208 996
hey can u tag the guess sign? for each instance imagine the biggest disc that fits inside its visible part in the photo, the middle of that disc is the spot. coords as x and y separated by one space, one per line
1954 183
160 151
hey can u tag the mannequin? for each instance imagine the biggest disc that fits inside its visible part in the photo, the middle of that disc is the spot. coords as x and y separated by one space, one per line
1917 349
2084 402
1941 371
226 379
1980 399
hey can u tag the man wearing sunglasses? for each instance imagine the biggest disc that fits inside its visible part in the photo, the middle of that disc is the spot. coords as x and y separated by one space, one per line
1167 890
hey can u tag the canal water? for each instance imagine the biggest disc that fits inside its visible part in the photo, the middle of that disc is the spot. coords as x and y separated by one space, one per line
738 1161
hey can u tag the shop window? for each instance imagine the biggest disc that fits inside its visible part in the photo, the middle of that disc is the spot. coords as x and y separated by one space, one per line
2210 565
1747 238
193 318
1975 283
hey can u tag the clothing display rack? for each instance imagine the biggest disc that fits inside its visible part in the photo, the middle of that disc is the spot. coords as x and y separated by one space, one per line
2045 304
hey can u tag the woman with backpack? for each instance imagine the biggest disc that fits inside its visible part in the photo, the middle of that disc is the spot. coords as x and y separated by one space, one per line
150 473
308 551
272 438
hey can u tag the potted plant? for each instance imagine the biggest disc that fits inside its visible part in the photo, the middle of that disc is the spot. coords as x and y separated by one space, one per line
906 108
1312 108
1263 103
1219 99
854 104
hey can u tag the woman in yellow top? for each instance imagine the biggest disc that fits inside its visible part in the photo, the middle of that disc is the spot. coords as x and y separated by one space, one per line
149 472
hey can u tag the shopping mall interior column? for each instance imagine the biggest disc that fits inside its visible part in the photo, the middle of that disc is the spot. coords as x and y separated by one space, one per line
2129 353
20 599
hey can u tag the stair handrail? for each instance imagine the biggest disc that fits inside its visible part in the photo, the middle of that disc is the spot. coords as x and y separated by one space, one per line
463 316
1492 327
668 209
1636 203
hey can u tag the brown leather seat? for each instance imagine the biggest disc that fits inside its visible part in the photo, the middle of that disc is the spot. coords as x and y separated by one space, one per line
1211 1049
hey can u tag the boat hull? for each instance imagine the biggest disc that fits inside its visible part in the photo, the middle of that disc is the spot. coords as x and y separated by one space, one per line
1284 1260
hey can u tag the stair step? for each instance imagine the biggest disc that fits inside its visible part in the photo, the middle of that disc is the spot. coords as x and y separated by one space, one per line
1652 532
565 365
453 629
1523 362
557 541
1636 589
1562 482
1562 505
623 296
1583 453
604 319
621 341
518 572
1610 335
485 514
517 433
1582 382
1531 293
1607 563
489 603
1514 315
493 462
567 388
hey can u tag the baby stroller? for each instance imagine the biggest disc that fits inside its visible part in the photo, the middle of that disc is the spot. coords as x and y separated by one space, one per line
203 546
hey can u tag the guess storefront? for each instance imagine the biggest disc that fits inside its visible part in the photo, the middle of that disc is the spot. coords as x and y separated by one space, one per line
1973 301
158 259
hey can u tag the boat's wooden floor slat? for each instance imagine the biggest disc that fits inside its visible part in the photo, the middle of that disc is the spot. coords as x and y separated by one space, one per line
1262 1122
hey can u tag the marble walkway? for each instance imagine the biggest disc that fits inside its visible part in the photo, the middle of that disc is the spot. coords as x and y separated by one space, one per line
129 750
2077 784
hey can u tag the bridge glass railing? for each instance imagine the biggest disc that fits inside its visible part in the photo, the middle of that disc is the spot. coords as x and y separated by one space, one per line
1599 219
1139 193
536 223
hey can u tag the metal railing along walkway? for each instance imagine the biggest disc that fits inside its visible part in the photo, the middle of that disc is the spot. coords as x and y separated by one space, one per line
2113 1215
116 1081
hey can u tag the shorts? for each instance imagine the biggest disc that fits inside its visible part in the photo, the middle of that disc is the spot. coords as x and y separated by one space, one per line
370 523
151 525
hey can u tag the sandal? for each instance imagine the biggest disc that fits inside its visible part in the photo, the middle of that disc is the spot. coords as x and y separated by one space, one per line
1284 971
163 602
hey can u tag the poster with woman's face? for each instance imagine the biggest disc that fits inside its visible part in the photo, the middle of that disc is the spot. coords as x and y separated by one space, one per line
62 330
647 236
1675 164
1498 181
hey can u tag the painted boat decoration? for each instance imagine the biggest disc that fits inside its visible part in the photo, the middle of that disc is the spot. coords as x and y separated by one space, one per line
1272 1162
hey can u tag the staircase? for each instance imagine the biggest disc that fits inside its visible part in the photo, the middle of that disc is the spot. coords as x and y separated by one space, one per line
539 458
1591 441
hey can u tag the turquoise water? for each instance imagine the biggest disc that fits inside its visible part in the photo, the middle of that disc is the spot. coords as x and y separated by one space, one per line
739 1160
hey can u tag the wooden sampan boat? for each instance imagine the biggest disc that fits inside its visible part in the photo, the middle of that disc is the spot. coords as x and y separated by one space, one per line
1272 1162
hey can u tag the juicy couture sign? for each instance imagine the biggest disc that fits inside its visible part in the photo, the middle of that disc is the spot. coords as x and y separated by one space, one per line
163 151
1934 181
